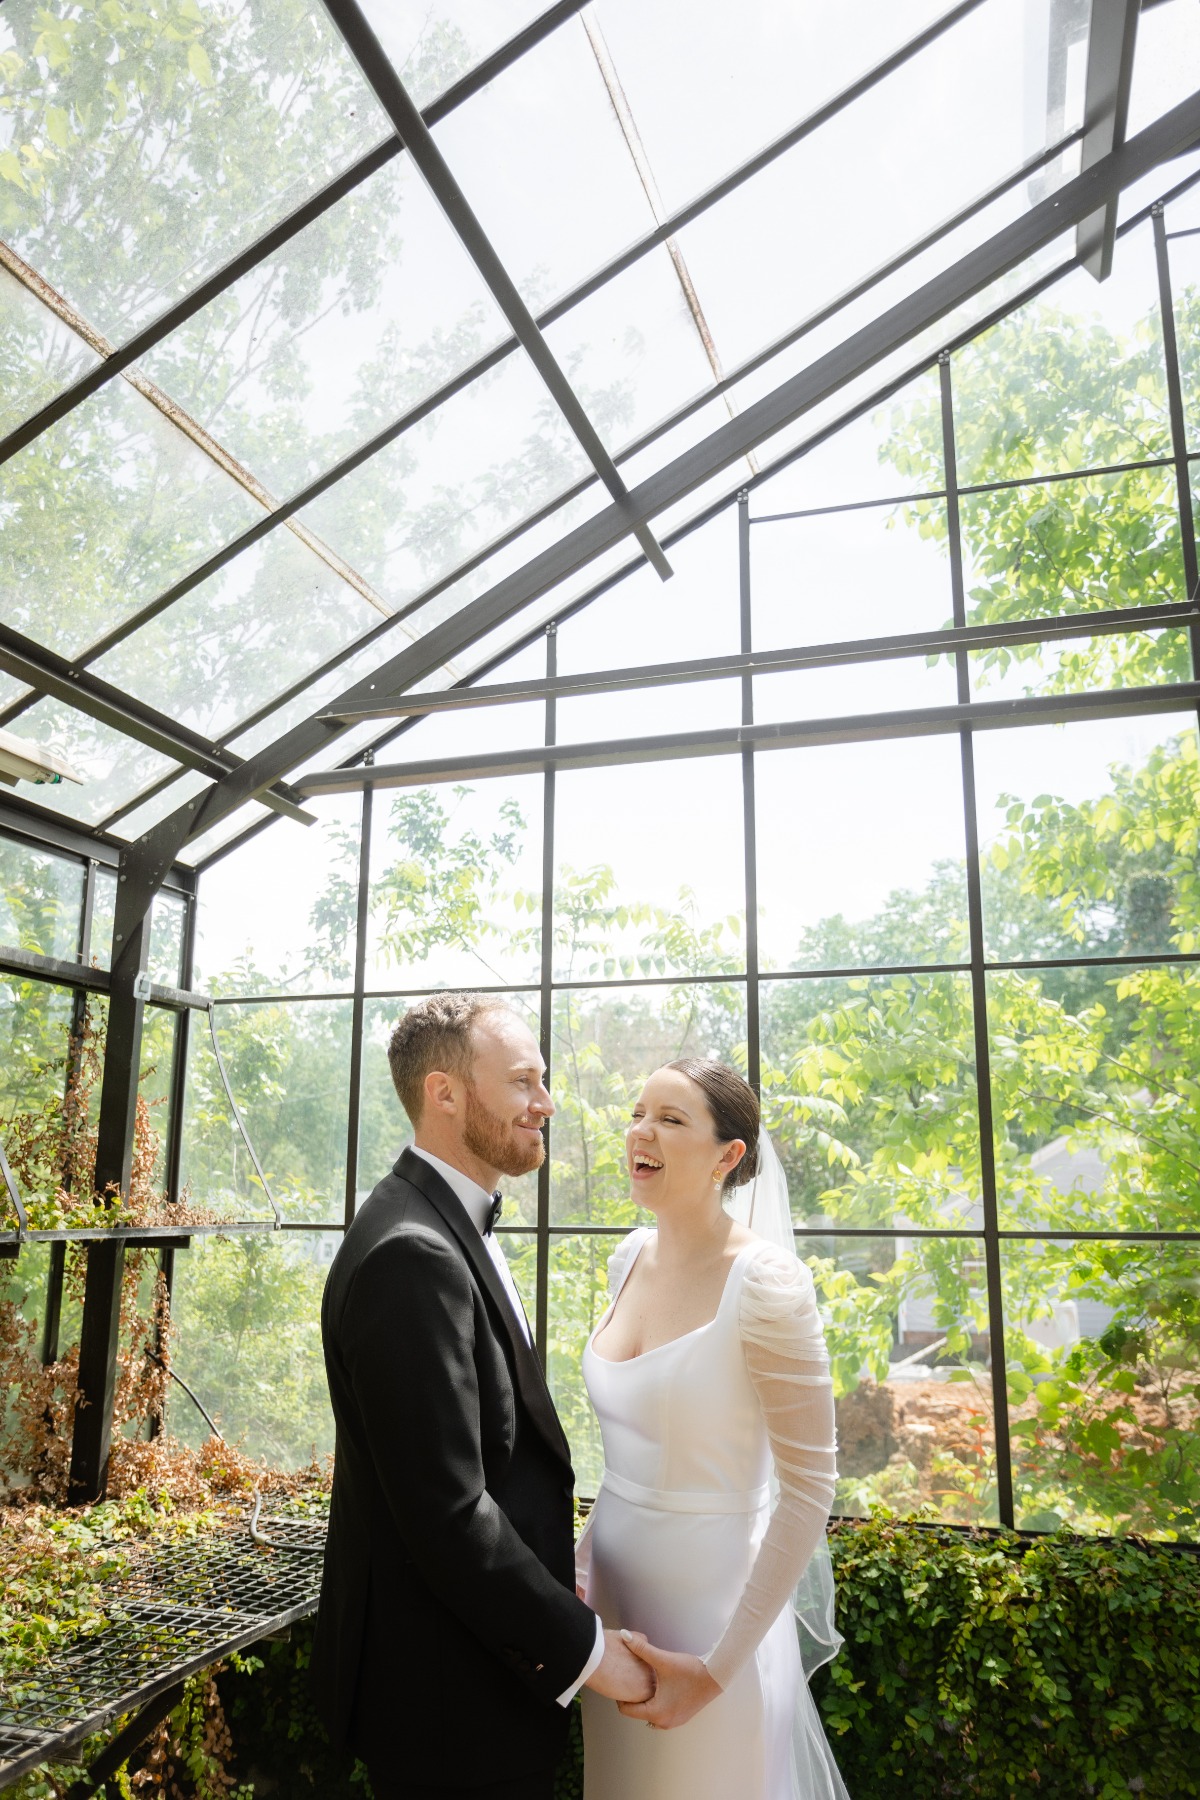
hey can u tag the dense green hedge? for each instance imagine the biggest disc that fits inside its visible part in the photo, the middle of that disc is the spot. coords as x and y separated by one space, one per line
992 1666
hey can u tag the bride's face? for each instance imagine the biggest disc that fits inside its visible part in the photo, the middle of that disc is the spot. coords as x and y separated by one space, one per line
671 1148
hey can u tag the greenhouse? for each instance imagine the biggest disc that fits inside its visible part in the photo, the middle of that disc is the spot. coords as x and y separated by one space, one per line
396 399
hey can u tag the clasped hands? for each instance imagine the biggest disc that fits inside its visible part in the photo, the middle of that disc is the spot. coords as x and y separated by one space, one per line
663 1687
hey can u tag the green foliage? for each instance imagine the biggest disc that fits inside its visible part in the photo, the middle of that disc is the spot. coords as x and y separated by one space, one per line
996 1667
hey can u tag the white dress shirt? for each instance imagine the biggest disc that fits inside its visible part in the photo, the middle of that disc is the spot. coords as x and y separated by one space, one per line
477 1204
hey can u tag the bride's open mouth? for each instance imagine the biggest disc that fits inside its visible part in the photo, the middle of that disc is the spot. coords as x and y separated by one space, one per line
644 1166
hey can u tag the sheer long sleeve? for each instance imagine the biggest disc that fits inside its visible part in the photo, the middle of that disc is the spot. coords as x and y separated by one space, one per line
785 1354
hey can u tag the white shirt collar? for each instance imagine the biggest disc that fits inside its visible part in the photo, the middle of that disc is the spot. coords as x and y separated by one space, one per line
476 1200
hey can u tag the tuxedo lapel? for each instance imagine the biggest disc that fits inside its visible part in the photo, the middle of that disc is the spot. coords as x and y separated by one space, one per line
531 1383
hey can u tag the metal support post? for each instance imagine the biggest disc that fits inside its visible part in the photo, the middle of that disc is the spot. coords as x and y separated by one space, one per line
546 1010
749 832
358 1009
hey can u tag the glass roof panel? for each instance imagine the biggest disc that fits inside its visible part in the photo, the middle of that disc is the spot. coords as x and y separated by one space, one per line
1185 288
487 458
731 82
261 622
162 801
104 511
39 355
114 767
859 462
542 161
152 145
833 208
1166 58
434 42
366 312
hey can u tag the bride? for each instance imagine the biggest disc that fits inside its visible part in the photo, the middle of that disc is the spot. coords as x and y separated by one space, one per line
709 1376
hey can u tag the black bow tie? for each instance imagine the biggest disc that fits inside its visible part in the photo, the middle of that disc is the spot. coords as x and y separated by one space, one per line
493 1216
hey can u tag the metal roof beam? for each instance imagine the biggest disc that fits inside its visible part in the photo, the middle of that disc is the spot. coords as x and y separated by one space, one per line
1111 42
393 96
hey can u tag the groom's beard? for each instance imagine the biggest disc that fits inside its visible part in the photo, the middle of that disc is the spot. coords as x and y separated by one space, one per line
493 1140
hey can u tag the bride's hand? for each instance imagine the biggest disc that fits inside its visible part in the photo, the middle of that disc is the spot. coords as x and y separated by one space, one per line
682 1685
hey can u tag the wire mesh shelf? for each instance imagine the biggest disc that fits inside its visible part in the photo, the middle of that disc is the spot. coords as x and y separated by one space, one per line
174 1612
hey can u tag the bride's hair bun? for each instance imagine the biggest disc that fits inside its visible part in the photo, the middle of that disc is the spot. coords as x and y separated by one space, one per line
733 1105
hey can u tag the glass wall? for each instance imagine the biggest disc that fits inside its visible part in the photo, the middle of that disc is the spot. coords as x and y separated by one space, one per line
970 985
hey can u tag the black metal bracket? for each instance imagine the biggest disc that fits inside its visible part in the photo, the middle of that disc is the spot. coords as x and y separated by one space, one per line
118 1752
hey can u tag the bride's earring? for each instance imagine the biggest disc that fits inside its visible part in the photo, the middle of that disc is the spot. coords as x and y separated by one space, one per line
718 1178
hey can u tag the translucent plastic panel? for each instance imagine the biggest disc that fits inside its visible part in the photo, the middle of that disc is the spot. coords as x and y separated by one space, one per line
41 900
860 855
906 1324
1099 542
432 46
872 572
365 313
1100 1346
102 513
456 885
483 461
1088 834
247 1319
649 873
541 157
1074 380
114 767
870 1097
148 148
708 89
288 1064
869 459
384 1127
606 1041
39 355
278 914
264 620
793 237
1185 283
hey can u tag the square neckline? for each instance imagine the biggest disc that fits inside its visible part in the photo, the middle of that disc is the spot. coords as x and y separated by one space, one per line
622 1362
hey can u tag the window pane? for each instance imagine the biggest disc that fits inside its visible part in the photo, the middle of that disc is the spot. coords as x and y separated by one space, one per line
1088 837
247 1318
649 870
114 767
39 355
456 885
433 46
170 141
1185 282
1081 665
891 450
41 900
278 915
906 1322
35 1027
357 319
860 855
384 1127
869 1093
105 511
578 1295
873 572
606 1042
1041 550
1094 1082
289 1069
1074 380
855 689
1101 1348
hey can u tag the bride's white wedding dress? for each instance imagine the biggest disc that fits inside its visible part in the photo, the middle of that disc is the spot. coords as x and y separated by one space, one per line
684 1545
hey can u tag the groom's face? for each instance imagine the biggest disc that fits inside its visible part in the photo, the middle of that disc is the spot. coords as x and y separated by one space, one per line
506 1102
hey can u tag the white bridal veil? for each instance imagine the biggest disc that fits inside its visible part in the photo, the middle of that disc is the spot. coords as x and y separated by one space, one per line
762 1205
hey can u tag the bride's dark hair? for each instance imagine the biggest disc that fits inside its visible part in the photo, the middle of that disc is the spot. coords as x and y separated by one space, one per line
733 1105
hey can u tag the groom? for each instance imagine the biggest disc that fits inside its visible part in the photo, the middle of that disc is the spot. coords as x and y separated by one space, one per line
449 1640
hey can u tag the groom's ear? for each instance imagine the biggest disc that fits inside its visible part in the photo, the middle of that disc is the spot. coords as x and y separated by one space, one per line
440 1093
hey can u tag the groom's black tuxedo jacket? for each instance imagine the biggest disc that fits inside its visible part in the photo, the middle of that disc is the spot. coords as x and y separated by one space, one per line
448 1621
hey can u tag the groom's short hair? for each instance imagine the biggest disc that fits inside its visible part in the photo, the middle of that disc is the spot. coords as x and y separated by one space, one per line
436 1034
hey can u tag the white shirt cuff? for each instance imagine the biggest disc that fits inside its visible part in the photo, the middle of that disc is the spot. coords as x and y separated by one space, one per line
589 1668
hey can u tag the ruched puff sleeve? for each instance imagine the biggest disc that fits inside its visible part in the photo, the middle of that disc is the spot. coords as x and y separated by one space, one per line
785 1354
618 1268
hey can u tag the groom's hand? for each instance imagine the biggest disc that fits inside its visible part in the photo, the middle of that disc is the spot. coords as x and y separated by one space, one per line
682 1685
621 1675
